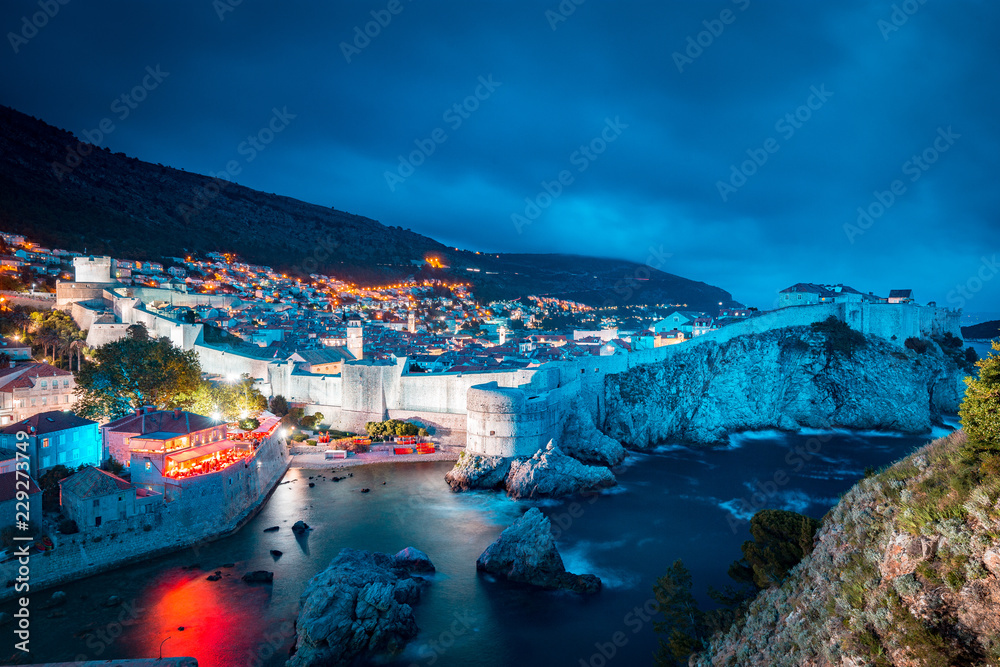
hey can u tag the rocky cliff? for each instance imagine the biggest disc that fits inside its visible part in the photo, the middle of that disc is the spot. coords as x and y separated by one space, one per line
905 572
783 379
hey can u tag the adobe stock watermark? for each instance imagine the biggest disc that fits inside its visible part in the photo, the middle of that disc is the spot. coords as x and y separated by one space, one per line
786 126
454 116
914 168
223 7
363 35
581 158
627 287
796 460
635 620
121 107
562 12
696 44
30 25
965 292
271 644
98 641
322 251
435 648
249 148
900 14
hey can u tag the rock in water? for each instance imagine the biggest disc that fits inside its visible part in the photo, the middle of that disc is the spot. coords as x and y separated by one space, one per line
548 473
358 608
526 553
413 560
299 527
473 471
551 473
259 577
271 529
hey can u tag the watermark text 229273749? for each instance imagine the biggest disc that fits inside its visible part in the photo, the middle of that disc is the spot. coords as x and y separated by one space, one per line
22 540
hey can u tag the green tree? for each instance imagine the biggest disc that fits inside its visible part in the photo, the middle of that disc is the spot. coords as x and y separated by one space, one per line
279 405
113 466
681 626
133 372
980 411
49 484
780 540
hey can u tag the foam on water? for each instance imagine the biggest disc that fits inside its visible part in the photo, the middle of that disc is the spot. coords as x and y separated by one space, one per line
577 559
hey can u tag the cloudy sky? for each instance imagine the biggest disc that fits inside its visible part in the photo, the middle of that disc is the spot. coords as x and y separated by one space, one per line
740 136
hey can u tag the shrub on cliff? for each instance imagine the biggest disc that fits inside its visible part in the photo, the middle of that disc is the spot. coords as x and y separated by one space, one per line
839 337
980 411
780 540
918 345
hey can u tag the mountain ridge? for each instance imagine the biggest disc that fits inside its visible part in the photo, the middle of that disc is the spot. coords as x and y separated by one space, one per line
67 193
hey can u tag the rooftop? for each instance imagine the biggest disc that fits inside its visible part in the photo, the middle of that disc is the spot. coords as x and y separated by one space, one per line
47 422
93 482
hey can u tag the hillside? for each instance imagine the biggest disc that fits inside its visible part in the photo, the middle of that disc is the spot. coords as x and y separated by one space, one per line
905 571
982 331
114 204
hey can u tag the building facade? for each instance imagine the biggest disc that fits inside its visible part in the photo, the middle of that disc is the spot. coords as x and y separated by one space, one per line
30 388
54 438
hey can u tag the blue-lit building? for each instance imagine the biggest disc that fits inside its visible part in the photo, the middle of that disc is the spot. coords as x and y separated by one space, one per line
54 438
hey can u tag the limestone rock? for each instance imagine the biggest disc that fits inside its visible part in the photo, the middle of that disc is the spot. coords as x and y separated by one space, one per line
358 609
779 379
551 473
473 471
526 553
991 559
581 439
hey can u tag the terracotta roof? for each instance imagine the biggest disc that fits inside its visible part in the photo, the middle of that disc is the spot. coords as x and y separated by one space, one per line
161 421
8 486
93 482
47 422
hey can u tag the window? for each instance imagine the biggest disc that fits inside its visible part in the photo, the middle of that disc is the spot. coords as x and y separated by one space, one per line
97 503
148 465
66 398
44 384
62 457
45 400
45 443
66 382
32 402
75 454
46 461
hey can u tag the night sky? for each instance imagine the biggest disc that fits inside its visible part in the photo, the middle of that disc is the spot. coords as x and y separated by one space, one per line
816 106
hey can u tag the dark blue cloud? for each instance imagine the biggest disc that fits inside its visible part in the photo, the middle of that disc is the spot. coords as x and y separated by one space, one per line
655 185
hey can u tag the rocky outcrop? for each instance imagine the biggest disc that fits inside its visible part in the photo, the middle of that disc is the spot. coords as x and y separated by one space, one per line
548 473
526 553
359 608
905 571
551 473
581 439
780 379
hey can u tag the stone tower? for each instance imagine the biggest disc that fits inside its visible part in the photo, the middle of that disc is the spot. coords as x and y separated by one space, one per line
355 337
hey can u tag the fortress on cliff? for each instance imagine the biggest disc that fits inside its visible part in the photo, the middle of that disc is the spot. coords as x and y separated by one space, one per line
505 412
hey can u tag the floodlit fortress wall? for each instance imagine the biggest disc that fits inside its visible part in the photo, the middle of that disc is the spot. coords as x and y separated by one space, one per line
506 413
